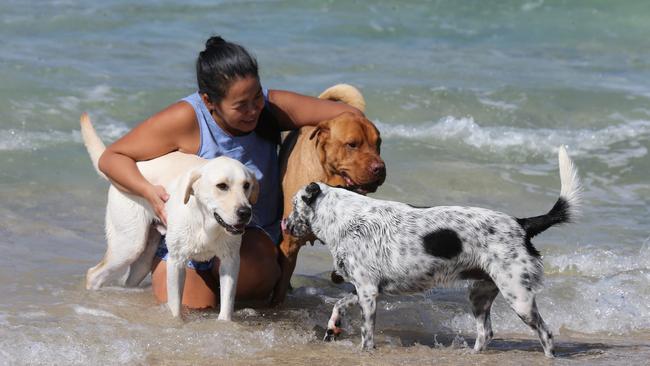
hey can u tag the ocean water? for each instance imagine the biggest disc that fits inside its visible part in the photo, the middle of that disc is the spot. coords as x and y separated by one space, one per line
472 99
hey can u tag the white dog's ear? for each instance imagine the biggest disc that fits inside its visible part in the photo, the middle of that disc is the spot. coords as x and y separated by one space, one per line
255 190
192 177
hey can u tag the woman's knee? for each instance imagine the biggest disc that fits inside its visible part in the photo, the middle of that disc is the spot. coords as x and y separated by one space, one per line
199 289
261 252
259 270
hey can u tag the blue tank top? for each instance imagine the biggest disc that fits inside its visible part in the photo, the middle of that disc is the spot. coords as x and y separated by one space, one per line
258 150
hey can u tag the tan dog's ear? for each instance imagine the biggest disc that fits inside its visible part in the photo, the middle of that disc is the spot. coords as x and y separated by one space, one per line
322 133
255 190
322 129
192 177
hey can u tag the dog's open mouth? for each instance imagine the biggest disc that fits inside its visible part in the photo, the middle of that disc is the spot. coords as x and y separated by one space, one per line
233 229
360 188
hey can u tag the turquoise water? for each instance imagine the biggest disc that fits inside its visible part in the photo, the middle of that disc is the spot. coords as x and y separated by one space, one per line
472 99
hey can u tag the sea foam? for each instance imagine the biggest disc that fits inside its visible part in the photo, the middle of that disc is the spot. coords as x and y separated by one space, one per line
603 143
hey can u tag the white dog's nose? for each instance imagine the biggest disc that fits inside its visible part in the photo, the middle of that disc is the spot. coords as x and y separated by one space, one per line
244 213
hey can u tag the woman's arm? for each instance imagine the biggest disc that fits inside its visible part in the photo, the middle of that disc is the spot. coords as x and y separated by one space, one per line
294 110
174 128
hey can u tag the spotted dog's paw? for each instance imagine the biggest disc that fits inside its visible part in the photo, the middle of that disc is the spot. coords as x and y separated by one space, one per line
332 333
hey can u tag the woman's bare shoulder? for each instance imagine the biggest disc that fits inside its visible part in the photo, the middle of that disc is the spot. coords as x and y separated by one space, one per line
178 116
173 128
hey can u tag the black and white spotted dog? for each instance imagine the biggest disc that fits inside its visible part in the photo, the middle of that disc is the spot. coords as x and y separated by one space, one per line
391 247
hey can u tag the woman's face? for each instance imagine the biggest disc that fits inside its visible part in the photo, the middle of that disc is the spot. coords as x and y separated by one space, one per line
240 109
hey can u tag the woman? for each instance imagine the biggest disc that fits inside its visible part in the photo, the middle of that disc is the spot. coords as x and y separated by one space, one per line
232 115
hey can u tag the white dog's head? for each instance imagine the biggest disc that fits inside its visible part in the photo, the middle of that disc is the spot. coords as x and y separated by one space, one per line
298 223
225 190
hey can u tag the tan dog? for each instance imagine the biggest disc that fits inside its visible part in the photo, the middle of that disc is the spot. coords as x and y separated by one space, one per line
343 151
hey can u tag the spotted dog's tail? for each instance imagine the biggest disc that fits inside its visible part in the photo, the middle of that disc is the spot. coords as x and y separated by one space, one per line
566 208
93 143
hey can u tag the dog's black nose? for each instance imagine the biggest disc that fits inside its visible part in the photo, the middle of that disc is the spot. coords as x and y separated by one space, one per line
244 213
378 169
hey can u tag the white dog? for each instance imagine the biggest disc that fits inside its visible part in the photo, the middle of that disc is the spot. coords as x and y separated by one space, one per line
207 211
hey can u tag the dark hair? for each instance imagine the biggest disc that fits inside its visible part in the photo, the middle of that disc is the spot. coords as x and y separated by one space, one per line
220 64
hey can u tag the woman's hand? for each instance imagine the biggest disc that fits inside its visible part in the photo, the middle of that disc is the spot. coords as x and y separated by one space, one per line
173 129
157 196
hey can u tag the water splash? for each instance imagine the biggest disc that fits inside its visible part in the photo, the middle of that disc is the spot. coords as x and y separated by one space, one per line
602 143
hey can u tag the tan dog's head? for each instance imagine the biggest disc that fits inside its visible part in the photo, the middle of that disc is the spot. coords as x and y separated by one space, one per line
349 146
225 190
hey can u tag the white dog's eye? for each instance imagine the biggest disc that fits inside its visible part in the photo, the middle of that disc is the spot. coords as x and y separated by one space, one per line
247 185
222 186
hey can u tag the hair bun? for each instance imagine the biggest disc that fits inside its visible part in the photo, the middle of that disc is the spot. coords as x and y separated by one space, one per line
214 41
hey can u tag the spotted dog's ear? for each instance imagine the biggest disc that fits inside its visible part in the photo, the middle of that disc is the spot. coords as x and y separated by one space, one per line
312 191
